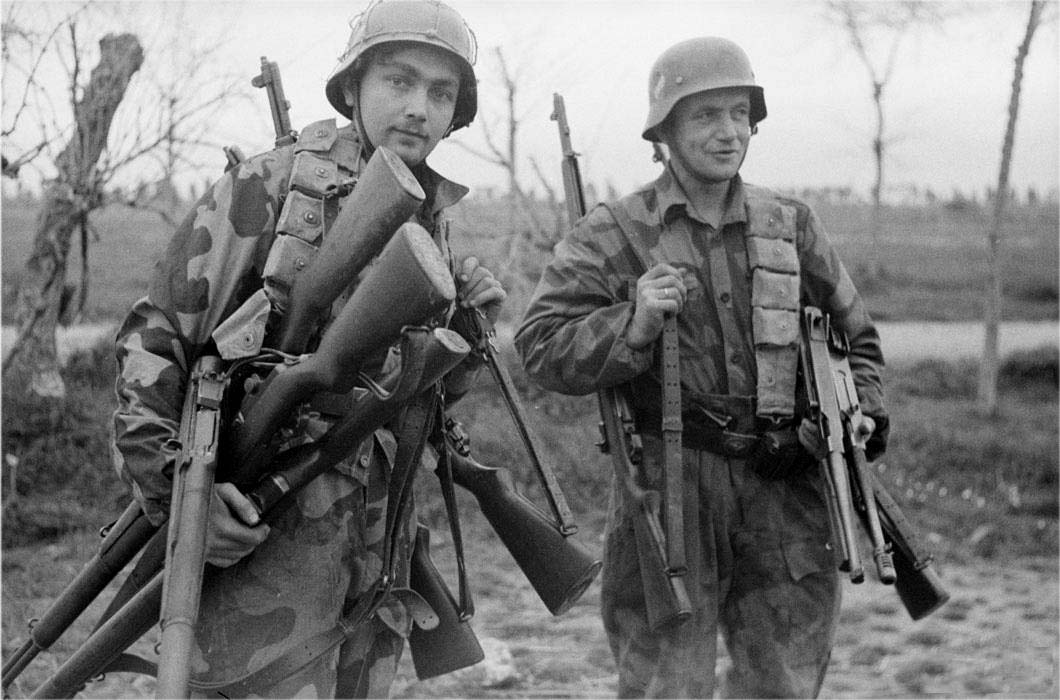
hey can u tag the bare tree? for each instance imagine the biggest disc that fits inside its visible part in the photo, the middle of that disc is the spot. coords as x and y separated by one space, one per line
870 26
988 366
505 154
159 133
75 191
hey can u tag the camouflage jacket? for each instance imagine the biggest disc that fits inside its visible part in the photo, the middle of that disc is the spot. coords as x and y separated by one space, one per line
213 264
572 337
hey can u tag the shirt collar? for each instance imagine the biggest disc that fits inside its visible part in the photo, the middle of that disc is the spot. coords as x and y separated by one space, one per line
673 202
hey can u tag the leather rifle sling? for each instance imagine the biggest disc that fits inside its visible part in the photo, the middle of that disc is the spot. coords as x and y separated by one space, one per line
673 486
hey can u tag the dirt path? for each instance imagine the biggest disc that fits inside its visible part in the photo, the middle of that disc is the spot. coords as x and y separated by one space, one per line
997 637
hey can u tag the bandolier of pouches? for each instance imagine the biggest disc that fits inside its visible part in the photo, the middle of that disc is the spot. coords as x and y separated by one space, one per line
325 168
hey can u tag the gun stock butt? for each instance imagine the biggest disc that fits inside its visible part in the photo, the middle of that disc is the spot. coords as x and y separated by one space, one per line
559 569
666 596
919 589
919 586
452 644
386 195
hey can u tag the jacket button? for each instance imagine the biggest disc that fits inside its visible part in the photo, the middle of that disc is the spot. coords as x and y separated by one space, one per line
299 263
310 217
724 296
321 172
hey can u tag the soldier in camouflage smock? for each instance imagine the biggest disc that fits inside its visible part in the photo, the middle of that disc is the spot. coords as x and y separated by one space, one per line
221 286
735 263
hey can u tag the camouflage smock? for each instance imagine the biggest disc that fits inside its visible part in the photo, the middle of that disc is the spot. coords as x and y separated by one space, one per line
757 550
322 552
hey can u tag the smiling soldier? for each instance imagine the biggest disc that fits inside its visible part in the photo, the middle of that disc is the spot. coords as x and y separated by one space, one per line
734 263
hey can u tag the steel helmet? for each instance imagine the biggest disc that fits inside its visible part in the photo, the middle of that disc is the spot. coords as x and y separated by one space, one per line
421 21
696 65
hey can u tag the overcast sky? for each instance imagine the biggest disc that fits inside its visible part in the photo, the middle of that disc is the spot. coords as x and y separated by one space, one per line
945 109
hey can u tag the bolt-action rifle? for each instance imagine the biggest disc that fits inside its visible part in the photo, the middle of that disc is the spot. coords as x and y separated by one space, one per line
661 574
851 485
279 107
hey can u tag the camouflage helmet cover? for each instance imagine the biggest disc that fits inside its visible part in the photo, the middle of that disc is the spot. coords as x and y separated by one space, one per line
421 21
697 65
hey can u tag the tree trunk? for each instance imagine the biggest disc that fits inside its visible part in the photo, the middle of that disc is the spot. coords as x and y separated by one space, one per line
875 268
988 365
32 364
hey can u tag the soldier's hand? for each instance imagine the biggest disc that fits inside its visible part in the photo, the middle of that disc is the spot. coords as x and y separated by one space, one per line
810 438
863 427
235 527
479 289
660 291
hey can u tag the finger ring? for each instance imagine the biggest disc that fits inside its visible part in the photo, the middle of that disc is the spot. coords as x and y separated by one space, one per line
666 292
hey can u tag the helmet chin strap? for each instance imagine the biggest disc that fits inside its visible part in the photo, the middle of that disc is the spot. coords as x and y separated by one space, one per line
367 148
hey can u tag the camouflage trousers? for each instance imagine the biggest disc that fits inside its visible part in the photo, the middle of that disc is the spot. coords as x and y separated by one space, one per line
760 572
323 551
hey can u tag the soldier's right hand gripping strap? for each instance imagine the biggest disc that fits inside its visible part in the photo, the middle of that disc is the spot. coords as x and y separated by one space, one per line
673 488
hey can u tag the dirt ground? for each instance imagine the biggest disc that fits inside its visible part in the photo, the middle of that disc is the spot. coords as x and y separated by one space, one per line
997 637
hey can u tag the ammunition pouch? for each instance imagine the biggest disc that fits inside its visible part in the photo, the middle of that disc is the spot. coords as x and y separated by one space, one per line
780 455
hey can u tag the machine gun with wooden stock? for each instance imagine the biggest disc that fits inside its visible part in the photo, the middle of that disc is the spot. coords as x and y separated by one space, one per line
657 527
851 485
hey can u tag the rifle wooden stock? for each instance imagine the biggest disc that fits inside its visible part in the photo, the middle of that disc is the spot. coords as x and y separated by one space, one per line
452 644
558 568
386 195
427 355
189 518
123 540
408 283
475 324
665 595
919 587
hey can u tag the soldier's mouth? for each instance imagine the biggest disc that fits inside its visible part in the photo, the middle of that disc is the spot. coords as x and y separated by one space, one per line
411 134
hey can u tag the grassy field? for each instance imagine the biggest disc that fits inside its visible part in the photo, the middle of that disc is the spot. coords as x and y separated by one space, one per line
933 258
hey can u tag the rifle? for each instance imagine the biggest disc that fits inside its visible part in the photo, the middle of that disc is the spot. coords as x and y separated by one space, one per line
850 484
664 587
193 480
558 568
427 356
269 78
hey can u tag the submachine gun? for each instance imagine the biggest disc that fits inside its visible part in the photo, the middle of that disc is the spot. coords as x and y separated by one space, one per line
412 277
852 486
658 525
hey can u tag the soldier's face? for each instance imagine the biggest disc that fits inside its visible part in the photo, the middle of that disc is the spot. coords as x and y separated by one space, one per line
708 132
407 100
